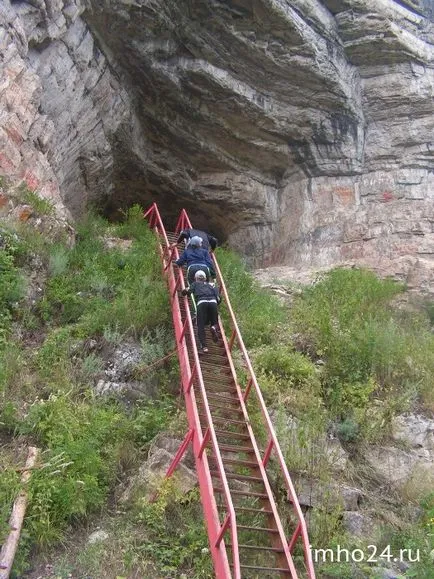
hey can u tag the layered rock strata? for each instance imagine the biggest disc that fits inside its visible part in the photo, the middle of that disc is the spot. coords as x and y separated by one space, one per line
300 131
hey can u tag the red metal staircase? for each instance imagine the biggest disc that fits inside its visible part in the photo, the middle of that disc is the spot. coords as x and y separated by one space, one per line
246 535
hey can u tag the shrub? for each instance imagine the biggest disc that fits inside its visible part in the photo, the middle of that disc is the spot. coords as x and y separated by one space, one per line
58 262
295 368
156 344
150 418
39 205
348 321
12 289
259 313
85 441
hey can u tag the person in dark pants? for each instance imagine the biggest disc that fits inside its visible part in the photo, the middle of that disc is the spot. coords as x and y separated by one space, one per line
207 298
196 258
208 240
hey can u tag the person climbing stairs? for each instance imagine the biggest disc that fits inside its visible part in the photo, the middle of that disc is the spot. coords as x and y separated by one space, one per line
252 532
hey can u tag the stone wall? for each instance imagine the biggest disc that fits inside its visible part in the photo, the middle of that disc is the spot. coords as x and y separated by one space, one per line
300 131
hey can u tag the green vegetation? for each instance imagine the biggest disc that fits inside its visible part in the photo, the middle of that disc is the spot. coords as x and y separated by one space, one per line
90 292
370 349
188 547
259 313
12 284
99 289
38 204
375 360
339 359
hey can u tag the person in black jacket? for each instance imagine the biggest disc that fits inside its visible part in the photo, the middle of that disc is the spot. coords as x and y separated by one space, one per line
196 258
207 298
208 240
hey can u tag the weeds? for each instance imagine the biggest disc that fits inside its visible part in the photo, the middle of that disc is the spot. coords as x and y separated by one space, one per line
58 262
370 350
90 291
9 487
156 344
39 205
12 289
258 312
188 548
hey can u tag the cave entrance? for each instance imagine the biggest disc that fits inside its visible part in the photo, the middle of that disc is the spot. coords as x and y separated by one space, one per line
205 215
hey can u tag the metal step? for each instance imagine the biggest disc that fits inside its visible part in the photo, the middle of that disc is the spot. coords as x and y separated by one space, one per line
219 407
224 420
259 529
253 510
261 569
236 476
246 493
258 548
234 434
228 399
230 448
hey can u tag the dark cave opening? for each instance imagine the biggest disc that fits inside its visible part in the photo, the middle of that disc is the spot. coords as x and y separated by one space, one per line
204 215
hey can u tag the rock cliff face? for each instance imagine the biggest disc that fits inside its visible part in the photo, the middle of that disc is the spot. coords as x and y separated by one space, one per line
302 131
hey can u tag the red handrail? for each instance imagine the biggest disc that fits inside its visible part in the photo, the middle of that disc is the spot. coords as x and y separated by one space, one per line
273 444
230 521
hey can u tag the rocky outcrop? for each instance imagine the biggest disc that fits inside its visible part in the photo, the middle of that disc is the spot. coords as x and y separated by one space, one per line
301 132
411 468
149 478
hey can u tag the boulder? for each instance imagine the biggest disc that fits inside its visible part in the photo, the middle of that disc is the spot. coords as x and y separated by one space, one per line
397 466
327 495
415 430
150 475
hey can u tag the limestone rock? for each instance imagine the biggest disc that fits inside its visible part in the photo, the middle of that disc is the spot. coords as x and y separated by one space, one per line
359 525
291 431
397 466
97 537
153 471
327 495
417 431
301 132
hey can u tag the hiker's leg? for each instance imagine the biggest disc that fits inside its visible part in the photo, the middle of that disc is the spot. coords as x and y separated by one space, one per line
201 319
213 314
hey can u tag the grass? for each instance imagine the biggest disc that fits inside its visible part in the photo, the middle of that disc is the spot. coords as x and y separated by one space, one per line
40 205
94 293
258 312
370 350
341 357
141 542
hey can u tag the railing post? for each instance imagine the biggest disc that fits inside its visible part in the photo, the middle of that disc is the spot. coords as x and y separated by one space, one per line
204 442
190 382
176 459
184 329
223 529
248 388
175 289
169 261
294 538
180 453
268 453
